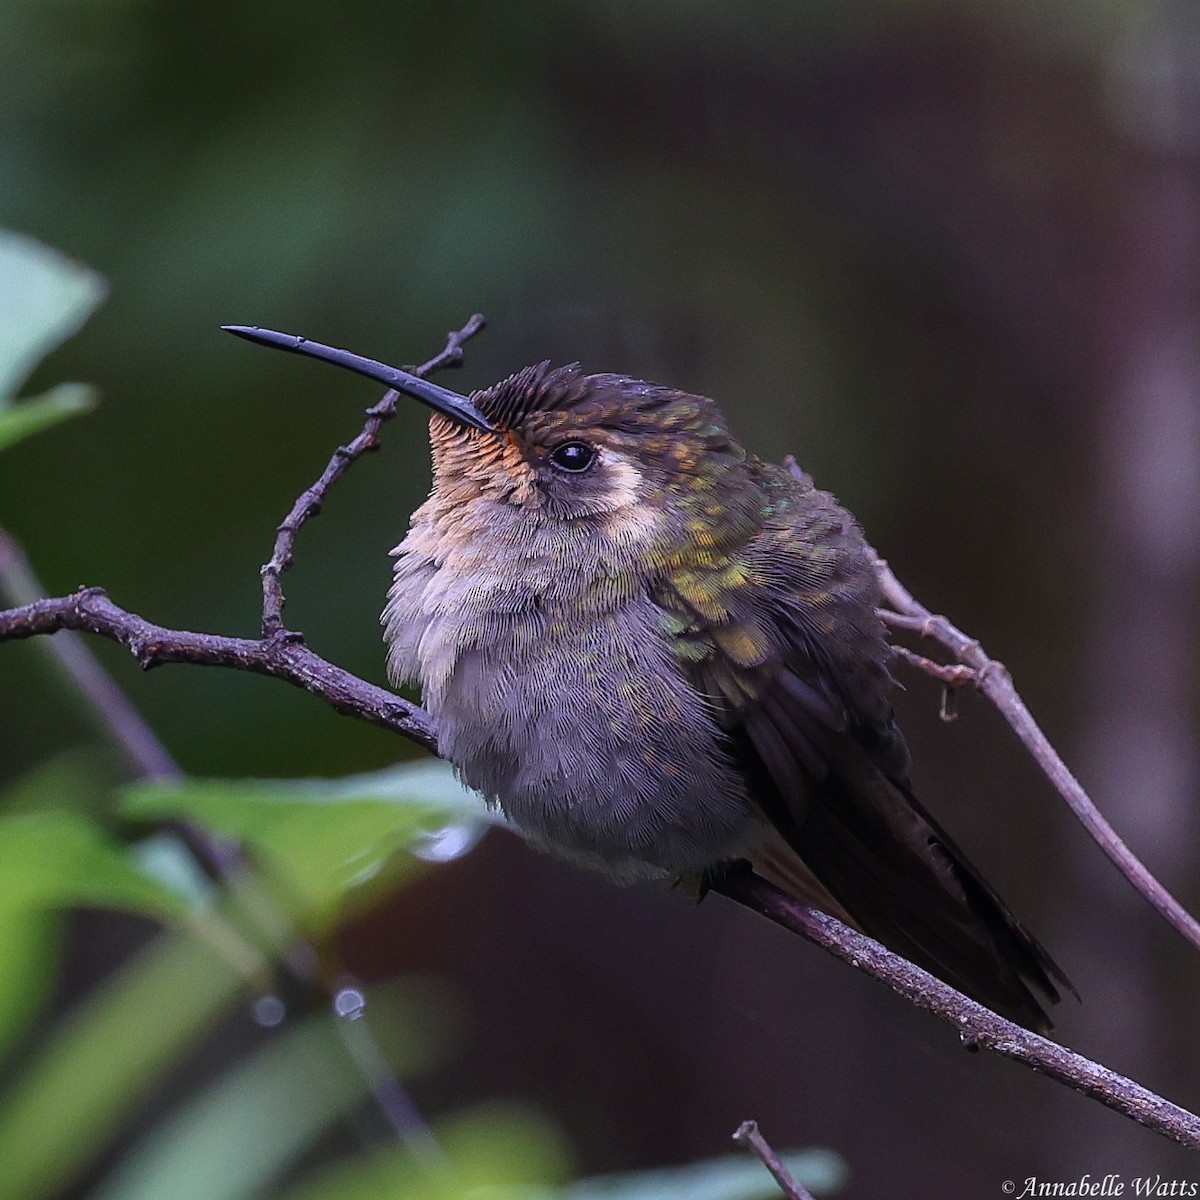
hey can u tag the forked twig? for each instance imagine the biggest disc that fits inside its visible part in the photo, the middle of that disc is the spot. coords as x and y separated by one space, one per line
308 503
973 666
994 681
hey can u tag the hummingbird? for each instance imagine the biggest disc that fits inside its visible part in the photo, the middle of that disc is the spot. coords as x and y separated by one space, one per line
659 655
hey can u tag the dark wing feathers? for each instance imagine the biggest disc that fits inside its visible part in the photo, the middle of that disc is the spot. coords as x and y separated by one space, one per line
876 842
810 724
792 731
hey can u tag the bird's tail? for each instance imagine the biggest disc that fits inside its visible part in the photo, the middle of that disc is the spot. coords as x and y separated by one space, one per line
889 866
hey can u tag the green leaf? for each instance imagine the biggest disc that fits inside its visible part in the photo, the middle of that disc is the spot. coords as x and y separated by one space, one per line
50 861
163 856
74 1094
75 780
238 1133
44 298
32 416
55 860
495 1152
501 1154
241 1132
431 782
320 839
428 782
29 949
502 1149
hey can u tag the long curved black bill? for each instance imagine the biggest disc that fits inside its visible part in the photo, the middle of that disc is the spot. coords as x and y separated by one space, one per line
451 404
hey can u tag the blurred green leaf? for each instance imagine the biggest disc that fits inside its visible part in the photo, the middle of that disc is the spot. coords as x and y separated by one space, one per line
60 859
49 861
164 857
72 1097
44 298
29 948
499 1154
495 1152
243 1131
238 1134
78 780
31 416
431 781
320 839
500 1147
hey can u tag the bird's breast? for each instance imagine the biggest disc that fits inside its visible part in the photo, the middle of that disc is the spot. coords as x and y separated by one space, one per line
571 714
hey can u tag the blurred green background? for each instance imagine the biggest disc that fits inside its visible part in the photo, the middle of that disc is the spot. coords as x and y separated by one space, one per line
945 253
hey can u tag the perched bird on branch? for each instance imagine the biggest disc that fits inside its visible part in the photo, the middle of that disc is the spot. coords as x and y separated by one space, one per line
659 655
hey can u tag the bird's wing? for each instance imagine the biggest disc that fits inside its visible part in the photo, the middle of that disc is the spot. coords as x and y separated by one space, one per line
784 640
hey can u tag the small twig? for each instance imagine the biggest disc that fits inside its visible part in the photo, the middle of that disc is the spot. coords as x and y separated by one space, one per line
302 667
223 859
951 674
994 681
750 1138
979 1027
308 503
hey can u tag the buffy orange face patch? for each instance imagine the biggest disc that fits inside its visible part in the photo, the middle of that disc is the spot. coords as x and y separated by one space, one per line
467 464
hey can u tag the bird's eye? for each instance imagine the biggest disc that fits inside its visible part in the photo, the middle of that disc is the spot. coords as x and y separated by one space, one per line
573 457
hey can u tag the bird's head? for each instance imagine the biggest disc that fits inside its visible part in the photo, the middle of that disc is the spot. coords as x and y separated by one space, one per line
640 463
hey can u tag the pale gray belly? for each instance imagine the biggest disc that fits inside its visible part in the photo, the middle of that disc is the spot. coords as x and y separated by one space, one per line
590 740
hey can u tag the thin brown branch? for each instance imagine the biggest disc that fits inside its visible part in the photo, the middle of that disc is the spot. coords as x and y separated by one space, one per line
750 1138
979 1027
951 674
308 503
91 611
994 681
